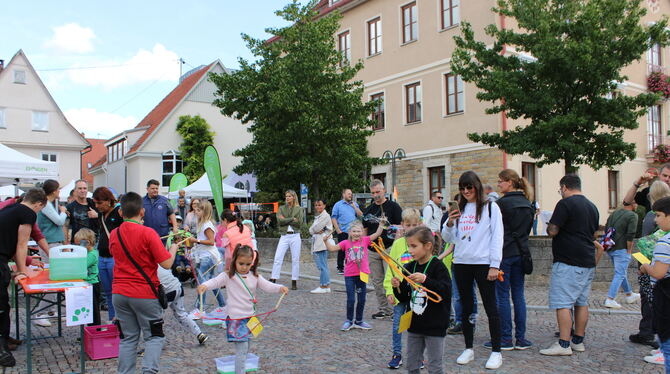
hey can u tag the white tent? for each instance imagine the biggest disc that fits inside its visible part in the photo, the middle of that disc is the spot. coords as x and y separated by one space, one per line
65 191
15 165
201 188
9 191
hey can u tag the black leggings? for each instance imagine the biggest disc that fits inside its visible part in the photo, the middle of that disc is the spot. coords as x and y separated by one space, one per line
465 275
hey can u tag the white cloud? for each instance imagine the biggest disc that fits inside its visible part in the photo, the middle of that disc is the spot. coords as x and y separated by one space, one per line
158 64
72 38
98 124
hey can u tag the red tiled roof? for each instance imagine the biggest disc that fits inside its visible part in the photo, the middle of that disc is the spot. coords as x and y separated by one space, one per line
97 151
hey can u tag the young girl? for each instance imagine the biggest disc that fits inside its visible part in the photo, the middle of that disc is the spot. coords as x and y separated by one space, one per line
399 252
236 233
86 238
241 281
476 230
356 262
429 319
205 255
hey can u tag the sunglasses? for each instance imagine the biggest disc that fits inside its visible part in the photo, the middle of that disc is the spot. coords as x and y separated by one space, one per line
440 197
468 187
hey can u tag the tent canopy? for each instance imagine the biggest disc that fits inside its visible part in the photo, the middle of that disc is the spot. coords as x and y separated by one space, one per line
65 191
201 188
16 165
9 191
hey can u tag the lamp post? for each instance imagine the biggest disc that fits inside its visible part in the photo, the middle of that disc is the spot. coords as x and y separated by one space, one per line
397 155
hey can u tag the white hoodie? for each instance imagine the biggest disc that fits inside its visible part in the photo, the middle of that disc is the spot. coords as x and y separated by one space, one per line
477 243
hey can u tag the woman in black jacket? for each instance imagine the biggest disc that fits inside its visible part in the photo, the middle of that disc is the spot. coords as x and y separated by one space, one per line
517 213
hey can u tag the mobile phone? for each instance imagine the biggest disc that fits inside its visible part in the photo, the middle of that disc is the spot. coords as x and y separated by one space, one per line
453 205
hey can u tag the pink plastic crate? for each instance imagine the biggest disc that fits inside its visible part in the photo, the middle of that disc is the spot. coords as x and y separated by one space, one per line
101 342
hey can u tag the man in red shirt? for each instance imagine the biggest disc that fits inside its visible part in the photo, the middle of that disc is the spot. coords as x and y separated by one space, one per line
135 302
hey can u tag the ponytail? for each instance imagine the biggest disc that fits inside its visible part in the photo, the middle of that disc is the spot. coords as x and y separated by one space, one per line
230 216
518 183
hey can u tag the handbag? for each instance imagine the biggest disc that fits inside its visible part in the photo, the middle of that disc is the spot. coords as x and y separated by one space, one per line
158 292
526 258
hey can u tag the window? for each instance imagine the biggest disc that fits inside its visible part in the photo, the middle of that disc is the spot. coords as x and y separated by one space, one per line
117 150
378 115
2 118
380 176
654 136
20 76
344 45
40 121
436 180
332 2
374 36
455 96
413 102
451 13
410 24
613 188
654 61
110 155
51 157
528 172
172 164
239 186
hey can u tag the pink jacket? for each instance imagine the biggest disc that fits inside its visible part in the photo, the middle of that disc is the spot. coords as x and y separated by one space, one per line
232 237
240 303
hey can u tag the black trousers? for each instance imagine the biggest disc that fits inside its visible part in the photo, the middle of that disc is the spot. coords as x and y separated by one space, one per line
465 275
96 305
5 279
340 254
646 323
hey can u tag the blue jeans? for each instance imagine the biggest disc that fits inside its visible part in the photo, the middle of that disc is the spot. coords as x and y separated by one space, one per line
535 226
321 261
665 347
620 259
514 279
106 274
398 310
206 263
456 301
355 288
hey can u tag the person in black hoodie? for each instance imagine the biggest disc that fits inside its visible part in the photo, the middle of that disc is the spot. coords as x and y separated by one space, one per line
517 214
430 320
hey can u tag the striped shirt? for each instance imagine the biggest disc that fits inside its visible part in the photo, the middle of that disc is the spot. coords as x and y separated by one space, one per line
662 252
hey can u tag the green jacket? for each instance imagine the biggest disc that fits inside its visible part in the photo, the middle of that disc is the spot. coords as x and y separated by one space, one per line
398 248
289 215
92 266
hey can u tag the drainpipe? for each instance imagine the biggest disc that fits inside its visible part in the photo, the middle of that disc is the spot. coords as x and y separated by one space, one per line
503 114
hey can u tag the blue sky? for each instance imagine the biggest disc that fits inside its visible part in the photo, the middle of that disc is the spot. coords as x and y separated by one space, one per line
107 64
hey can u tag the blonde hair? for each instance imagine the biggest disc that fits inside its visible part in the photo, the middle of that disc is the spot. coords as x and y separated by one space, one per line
206 208
357 224
411 214
85 234
519 183
657 191
295 197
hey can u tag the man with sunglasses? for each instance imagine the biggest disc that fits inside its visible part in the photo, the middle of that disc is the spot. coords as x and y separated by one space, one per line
642 197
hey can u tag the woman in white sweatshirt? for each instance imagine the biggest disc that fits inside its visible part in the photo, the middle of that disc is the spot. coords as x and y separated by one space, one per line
476 229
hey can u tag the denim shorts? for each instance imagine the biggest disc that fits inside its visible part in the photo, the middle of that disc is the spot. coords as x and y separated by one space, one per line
570 286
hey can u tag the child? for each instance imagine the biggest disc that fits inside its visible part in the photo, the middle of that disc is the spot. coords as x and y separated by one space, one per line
86 238
175 296
399 252
659 270
356 262
241 281
236 233
429 320
246 221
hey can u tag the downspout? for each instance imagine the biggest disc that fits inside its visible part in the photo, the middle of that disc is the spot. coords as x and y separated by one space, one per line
503 114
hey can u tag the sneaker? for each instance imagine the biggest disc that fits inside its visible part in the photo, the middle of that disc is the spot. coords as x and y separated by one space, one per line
395 362
362 325
655 352
504 346
556 350
611 303
657 359
522 344
380 315
219 310
340 272
646 340
632 298
202 338
465 357
42 322
320 290
494 361
346 326
577 347
457 329
195 314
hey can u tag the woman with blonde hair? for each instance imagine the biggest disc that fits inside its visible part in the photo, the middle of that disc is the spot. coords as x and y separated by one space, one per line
289 220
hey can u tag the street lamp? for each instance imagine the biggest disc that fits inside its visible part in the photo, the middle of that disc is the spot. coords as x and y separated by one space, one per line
398 155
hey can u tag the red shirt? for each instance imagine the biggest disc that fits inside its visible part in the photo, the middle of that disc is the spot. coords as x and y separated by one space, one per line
146 249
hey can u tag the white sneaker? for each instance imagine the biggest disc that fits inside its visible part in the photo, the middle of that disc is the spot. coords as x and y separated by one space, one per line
494 361
43 322
465 357
320 290
556 350
577 347
195 314
611 303
632 298
655 352
219 310
657 359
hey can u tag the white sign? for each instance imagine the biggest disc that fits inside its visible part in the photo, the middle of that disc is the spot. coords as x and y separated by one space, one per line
79 305
53 286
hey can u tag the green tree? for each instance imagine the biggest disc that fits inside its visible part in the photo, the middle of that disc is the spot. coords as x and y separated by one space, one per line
304 110
196 135
578 49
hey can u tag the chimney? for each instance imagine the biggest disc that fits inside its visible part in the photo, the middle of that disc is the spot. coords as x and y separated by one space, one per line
2 64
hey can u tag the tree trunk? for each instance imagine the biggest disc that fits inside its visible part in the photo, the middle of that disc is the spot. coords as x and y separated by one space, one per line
569 167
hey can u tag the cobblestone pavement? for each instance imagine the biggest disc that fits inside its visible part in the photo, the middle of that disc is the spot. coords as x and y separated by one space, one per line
303 337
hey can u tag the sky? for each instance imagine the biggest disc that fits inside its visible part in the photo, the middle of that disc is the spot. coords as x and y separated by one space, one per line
107 64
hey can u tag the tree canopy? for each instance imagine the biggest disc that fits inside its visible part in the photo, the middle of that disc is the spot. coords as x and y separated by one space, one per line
196 136
562 64
302 105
